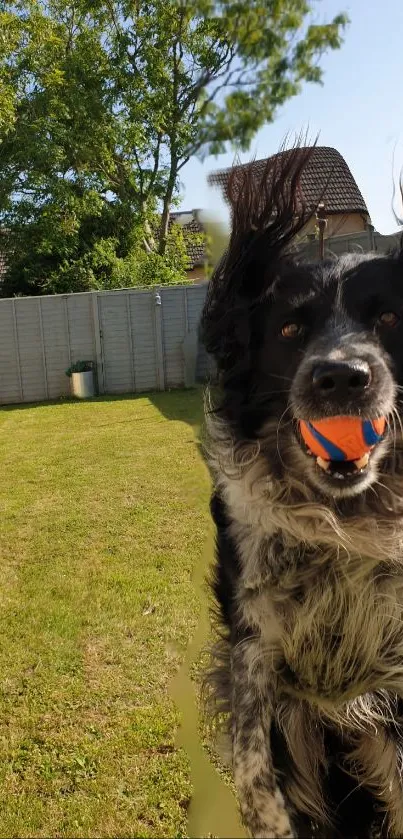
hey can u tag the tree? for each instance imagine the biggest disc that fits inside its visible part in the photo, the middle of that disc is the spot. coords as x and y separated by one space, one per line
193 76
9 38
104 101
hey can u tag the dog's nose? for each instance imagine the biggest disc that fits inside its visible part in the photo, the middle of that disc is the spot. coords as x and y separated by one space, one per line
341 379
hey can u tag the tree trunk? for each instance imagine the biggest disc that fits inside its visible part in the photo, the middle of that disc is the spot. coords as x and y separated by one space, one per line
166 208
149 242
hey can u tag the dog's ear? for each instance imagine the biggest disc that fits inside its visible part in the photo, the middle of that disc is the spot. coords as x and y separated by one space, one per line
267 210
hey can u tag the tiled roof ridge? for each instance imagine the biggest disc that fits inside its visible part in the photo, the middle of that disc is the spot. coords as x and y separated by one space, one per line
326 177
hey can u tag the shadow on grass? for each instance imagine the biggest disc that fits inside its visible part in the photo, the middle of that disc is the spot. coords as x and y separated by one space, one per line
180 404
183 405
71 400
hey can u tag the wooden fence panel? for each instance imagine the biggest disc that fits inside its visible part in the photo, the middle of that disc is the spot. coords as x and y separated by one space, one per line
134 336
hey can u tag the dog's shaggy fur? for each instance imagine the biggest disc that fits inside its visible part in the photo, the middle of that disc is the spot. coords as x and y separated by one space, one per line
309 565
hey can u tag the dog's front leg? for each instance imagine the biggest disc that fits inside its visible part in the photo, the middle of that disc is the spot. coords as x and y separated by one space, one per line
262 804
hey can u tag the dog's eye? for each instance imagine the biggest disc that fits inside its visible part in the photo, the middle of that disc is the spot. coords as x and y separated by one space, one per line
388 319
292 330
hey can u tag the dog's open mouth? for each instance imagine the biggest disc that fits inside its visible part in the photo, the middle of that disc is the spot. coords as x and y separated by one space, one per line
342 447
342 469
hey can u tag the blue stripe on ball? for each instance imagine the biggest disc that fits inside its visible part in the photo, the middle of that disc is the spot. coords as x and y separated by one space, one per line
370 435
333 451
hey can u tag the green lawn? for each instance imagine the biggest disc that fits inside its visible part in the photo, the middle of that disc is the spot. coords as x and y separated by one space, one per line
103 519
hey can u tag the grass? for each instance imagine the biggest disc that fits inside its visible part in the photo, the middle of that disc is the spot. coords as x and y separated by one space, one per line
103 518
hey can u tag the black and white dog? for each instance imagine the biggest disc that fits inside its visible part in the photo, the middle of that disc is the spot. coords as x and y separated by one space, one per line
309 561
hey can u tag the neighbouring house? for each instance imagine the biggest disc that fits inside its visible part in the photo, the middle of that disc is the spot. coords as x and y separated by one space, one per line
191 222
326 179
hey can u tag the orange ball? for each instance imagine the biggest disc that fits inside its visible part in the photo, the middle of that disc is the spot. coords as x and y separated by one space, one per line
342 438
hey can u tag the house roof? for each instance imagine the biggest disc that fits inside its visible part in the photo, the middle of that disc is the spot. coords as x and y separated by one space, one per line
326 178
190 222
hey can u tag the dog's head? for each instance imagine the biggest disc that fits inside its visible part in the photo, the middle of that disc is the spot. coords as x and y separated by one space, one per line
296 341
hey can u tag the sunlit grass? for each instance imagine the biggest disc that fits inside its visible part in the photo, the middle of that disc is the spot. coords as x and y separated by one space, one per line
104 510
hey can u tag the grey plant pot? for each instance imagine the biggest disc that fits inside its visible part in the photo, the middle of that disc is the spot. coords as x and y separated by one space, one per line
82 385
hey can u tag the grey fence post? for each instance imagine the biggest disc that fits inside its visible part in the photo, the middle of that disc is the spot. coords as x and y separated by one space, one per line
17 351
159 343
98 343
190 346
45 371
130 335
67 327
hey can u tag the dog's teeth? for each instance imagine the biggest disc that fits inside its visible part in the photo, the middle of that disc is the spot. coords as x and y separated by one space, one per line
362 462
324 464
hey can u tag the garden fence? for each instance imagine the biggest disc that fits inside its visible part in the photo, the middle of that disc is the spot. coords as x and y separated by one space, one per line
140 340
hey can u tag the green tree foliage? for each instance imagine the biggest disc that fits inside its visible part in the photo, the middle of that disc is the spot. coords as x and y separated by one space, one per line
102 103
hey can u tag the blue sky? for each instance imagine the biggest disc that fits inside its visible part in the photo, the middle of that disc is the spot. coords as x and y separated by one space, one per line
358 110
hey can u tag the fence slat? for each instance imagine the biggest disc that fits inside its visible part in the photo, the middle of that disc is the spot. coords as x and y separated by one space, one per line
67 326
17 352
129 326
45 372
159 339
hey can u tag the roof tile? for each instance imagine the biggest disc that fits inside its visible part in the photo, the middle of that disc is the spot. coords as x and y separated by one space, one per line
326 178
196 252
